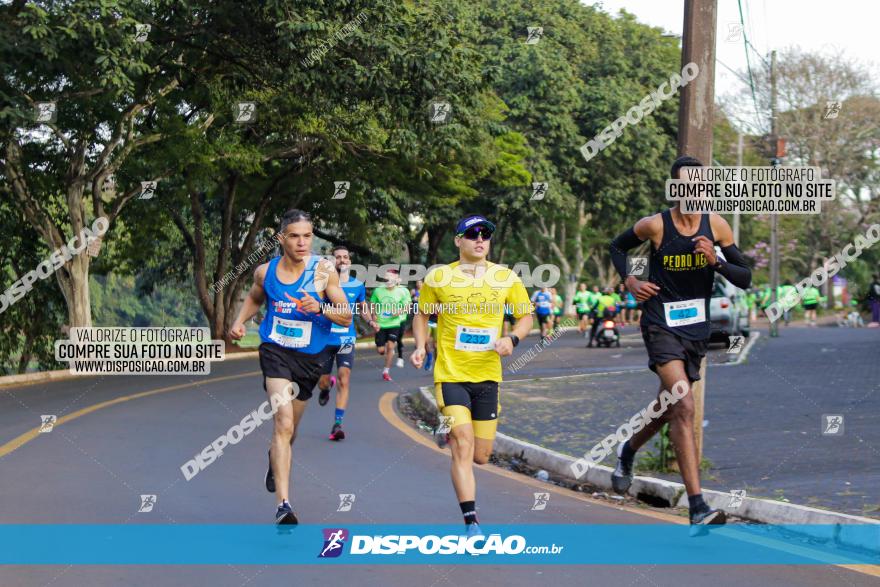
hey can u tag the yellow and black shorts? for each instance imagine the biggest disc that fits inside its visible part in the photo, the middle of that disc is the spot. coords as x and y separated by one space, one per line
470 402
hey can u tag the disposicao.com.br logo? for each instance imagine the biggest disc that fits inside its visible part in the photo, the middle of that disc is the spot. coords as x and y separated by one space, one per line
450 544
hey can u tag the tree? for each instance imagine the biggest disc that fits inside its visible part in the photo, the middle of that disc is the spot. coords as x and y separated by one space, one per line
585 71
829 115
110 93
358 113
29 326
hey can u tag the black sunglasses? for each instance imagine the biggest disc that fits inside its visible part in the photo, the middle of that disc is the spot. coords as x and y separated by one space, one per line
474 232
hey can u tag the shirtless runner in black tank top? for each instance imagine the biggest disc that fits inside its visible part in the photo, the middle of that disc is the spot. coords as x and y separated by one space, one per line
675 327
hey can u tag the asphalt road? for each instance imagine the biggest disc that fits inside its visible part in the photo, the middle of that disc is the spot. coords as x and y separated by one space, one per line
93 467
763 417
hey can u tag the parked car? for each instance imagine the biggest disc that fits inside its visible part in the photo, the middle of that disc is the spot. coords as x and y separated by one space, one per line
728 311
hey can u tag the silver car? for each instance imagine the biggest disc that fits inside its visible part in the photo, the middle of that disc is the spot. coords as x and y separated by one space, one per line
728 311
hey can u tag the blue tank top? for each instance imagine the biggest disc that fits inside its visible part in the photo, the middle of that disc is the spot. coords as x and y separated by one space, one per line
355 293
543 303
284 323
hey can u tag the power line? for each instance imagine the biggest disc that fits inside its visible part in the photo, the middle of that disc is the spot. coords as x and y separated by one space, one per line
748 61
752 47
748 14
752 28
736 73
745 80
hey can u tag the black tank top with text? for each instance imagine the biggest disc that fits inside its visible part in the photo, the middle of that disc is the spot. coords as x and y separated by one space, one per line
685 280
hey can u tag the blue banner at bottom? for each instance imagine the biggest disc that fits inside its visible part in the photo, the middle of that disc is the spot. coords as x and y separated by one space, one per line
641 544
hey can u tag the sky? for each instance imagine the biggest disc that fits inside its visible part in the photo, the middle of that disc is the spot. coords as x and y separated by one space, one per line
816 25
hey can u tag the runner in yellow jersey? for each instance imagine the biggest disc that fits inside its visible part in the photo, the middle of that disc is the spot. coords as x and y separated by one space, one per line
469 298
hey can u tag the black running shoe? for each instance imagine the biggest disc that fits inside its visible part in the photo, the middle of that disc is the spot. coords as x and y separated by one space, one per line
336 433
701 521
622 477
285 515
324 397
270 476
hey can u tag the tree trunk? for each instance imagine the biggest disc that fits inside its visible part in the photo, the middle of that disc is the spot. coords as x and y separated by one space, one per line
569 297
600 268
435 236
73 279
25 357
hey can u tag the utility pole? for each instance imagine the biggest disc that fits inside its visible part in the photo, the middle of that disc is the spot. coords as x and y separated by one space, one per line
695 116
774 218
697 102
739 163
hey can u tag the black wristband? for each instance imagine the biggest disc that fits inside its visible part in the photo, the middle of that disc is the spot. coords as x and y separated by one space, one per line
514 339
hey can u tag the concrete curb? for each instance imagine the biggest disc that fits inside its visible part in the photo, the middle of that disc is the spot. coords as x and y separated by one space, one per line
829 525
559 465
38 377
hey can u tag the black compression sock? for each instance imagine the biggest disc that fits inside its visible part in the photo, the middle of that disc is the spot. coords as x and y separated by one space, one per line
696 504
469 511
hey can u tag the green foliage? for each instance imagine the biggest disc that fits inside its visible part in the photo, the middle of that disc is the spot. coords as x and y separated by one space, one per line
662 455
343 92
29 326
118 301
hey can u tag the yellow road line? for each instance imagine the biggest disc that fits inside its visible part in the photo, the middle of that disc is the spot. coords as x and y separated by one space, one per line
23 439
386 408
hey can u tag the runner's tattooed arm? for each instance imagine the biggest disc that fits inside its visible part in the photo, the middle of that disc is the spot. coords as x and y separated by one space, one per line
734 266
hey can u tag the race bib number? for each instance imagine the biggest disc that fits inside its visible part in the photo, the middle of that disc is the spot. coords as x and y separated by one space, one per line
291 333
685 312
469 338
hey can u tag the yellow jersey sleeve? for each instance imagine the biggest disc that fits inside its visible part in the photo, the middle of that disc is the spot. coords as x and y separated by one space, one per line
518 298
428 293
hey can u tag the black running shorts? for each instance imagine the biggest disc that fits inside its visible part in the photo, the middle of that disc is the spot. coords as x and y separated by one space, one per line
542 317
468 403
386 335
301 368
344 355
664 346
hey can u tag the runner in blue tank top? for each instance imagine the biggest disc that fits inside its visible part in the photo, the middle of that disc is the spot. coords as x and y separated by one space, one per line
675 327
342 347
294 338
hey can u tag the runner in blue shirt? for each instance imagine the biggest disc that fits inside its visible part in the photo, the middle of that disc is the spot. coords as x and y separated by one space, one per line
543 300
343 340
294 286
